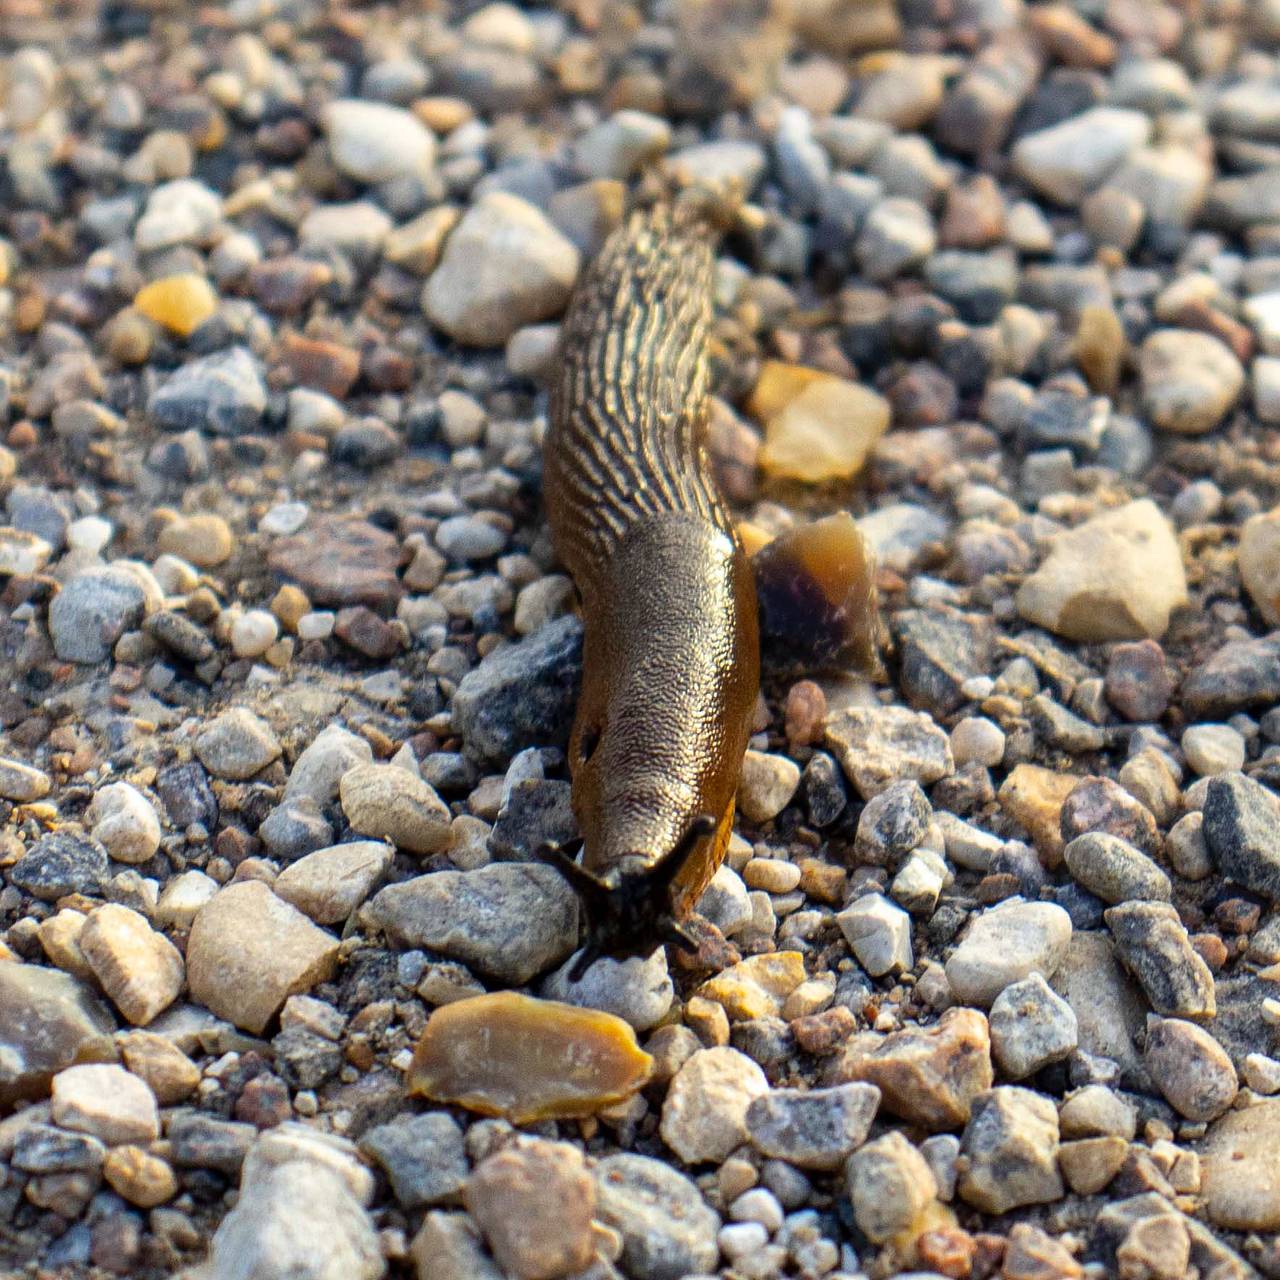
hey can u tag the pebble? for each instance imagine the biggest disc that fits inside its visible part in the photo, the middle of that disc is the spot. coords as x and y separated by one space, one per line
1138 682
205 541
766 785
1155 948
340 560
1031 1027
1005 945
1240 1162
756 987
22 552
106 1102
1258 559
386 802
504 266
1190 1068
92 611
59 864
511 921
253 633
180 303
977 740
1009 1151
21 783
237 744
1240 675
879 934
812 1128
179 212
667 1229
877 746
169 1073
223 394
1241 828
892 823
704 1115
139 969
249 950
317 773
329 884
929 1076
423 1156
1068 160
374 142
1118 576
638 989
514 1193
139 1177
1189 380
890 1186
897 236
124 821
1113 870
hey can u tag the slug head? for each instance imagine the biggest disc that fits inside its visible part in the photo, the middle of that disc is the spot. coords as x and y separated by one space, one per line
631 915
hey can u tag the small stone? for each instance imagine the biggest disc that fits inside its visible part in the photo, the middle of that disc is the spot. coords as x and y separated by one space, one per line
105 1101
223 394
526 1059
448 1247
1005 945
21 783
1242 831
237 744
44 1149
1138 681
253 633
667 1229
618 146
375 142
1116 577
1258 559
1089 1164
139 1177
92 611
817 427
515 1193
1240 675
139 969
638 990
1034 796
169 1073
180 212
812 1128
385 801
1191 1069
896 236
725 902
317 773
182 897
756 987
203 540
1031 1027
423 1157
1155 948
1189 380
877 746
1157 1246
704 1115
509 920
124 821
1068 160
22 552
1102 805
1113 870
59 864
1010 1151
416 246
879 934
329 884
248 951
338 560
766 785
504 266
1240 1163
928 1076
977 740
180 303
890 1185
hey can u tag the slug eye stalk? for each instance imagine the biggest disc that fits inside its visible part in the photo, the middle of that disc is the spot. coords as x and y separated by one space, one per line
629 917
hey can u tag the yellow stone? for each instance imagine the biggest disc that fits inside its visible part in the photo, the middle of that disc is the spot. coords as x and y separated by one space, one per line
817 427
180 303
758 986
138 1176
1033 797
525 1059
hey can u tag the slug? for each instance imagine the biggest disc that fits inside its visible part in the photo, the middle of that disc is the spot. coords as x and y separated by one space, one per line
671 650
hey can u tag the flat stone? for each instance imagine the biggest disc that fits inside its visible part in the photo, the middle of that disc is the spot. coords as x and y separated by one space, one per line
376 142
1241 675
423 1157
340 561
1191 1069
385 801
668 1231
48 1021
1110 1011
59 864
1155 948
248 951
1005 945
813 1128
926 1075
510 921
329 884
92 611
877 746
1068 160
1031 1027
223 394
638 989
1011 1145
140 970
1118 576
317 773
1034 796
704 1116
1242 831
106 1101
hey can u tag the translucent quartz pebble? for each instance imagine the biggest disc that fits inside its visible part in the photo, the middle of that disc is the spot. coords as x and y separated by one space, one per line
522 1058
817 590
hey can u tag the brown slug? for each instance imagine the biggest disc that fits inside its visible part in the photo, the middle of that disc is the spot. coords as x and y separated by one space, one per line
671 664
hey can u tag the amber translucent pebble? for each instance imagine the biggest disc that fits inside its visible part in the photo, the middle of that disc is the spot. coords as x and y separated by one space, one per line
527 1059
817 592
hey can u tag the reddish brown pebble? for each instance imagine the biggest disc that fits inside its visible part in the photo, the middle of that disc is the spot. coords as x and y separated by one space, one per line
329 366
1211 949
1237 915
1099 804
526 1059
823 1033
361 629
948 1251
1138 682
806 710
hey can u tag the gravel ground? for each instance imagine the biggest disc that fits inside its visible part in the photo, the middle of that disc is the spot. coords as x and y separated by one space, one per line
288 662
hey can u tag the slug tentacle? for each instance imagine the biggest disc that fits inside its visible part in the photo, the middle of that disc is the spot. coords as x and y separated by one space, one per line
671 647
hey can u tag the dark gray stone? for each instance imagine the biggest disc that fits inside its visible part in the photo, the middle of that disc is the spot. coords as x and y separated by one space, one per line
1242 830
938 651
44 1148
539 811
423 1156
222 393
813 1128
1155 948
59 864
187 796
1241 675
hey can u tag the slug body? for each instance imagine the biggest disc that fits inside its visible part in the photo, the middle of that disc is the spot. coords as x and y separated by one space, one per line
671 666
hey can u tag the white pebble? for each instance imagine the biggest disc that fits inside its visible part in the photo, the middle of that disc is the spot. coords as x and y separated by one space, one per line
1213 748
285 518
977 740
758 1205
317 625
742 1239
89 533
124 821
1261 1073
253 633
